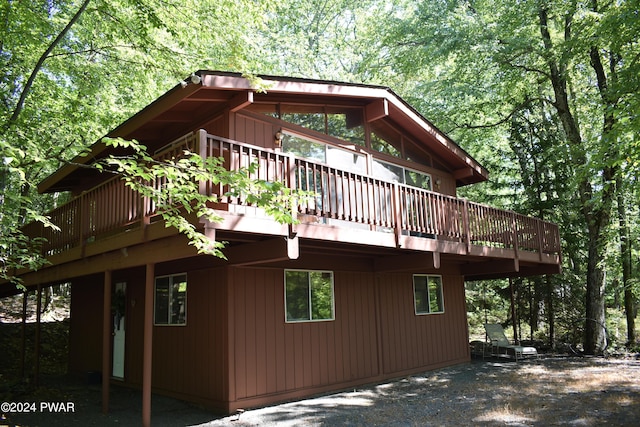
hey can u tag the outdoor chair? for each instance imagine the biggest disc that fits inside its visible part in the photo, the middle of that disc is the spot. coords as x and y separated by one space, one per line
501 347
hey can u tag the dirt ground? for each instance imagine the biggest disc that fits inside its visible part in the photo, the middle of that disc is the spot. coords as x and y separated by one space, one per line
547 391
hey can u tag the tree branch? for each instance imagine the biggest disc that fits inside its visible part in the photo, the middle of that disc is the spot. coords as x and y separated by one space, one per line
506 118
38 66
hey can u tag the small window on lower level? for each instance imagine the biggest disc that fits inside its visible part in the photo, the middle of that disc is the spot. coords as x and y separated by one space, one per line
427 293
170 304
308 295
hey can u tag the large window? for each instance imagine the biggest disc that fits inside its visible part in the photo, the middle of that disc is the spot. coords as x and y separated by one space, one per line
427 293
385 139
308 295
335 157
396 173
341 122
170 305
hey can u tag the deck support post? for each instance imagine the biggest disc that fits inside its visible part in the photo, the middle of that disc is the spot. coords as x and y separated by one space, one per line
36 361
23 333
513 312
202 149
397 214
515 241
106 341
466 225
147 345
540 232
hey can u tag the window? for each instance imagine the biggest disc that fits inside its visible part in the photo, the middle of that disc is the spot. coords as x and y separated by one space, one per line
341 122
427 293
385 139
308 295
336 157
170 305
396 173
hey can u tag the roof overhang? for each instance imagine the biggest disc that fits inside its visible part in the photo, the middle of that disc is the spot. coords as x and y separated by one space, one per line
193 102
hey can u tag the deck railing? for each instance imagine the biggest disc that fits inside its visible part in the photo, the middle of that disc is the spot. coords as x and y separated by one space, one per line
340 195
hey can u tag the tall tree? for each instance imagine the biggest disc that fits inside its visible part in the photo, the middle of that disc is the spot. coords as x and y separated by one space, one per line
493 60
72 69
626 261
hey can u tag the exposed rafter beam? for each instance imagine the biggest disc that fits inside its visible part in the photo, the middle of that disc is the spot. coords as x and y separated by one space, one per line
376 110
240 101
463 173
527 271
167 249
491 267
416 261
264 251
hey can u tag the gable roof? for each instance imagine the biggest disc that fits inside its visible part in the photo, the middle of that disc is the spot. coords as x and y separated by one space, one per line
193 102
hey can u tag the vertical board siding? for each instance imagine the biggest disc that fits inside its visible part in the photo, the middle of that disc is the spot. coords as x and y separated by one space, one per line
85 328
254 132
189 360
255 354
411 341
273 356
218 126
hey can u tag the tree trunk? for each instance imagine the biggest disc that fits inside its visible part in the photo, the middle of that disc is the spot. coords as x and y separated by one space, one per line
595 339
550 309
596 208
625 256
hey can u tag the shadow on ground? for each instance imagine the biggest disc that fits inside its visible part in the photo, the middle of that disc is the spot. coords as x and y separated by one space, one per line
547 391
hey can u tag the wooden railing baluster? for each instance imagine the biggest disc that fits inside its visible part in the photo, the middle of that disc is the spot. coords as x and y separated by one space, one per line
342 195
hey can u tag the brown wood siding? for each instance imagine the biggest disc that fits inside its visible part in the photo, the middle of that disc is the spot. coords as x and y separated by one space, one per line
447 184
85 332
189 361
254 132
134 325
253 357
218 126
412 341
272 356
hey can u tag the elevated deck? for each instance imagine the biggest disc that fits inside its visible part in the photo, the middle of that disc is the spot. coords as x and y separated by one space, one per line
363 212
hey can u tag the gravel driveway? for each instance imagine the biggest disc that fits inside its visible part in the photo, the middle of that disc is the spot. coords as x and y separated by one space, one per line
547 391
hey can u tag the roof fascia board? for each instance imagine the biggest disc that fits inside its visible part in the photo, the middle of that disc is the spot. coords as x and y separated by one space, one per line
154 109
440 137
300 86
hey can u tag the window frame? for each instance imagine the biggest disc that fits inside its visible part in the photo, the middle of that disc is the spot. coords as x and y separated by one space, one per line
169 302
405 169
310 309
355 151
441 291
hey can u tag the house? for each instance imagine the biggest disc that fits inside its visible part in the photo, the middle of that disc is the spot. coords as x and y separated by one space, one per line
368 286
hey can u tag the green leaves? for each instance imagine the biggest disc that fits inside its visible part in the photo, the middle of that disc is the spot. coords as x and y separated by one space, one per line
173 187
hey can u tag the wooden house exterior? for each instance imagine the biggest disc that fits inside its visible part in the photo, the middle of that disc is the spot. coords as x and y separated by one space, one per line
369 285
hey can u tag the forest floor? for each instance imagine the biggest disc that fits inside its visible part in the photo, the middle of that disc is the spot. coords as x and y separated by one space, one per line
544 392
552 390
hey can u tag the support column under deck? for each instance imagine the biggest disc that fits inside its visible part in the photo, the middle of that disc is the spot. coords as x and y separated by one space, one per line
106 341
36 361
147 350
23 334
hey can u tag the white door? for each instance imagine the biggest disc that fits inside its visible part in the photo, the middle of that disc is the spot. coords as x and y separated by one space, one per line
119 304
